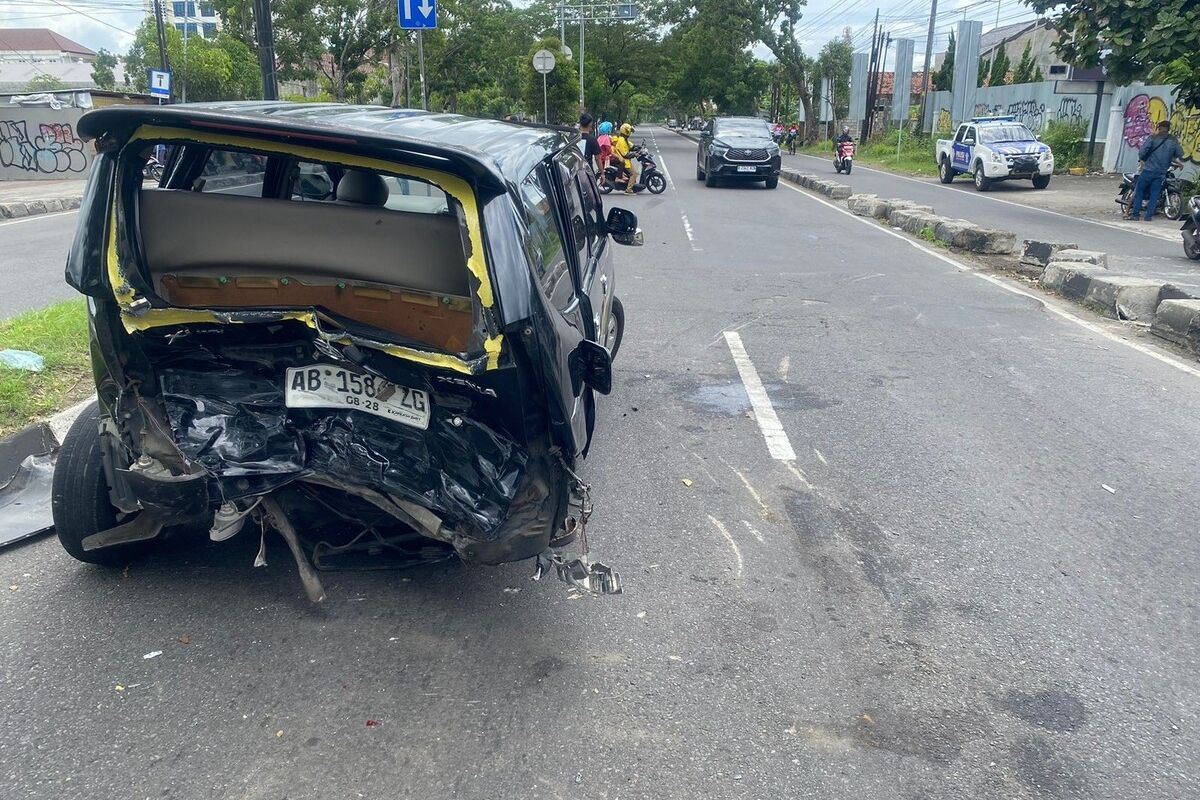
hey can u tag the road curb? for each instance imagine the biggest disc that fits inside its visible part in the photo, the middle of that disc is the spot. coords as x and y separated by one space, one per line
1178 321
30 208
831 189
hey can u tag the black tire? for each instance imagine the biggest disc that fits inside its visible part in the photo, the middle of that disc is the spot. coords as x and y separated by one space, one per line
617 318
982 182
945 171
79 499
605 187
772 181
1174 205
656 183
849 166
710 180
1191 248
1125 200
699 173
1041 181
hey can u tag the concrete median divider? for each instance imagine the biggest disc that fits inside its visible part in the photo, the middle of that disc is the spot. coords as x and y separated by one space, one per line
1178 321
33 207
831 189
1123 297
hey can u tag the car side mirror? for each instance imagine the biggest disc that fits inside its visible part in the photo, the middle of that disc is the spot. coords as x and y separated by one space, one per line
623 227
968 141
591 365
313 186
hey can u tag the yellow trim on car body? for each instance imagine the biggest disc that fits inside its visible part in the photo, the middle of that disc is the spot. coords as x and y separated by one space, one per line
452 185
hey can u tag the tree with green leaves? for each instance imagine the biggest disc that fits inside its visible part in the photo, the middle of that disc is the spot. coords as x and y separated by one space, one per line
708 66
1137 40
943 79
985 69
835 61
1026 70
44 82
213 69
998 76
102 70
562 84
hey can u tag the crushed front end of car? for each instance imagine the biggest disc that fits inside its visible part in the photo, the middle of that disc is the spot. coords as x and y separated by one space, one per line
296 336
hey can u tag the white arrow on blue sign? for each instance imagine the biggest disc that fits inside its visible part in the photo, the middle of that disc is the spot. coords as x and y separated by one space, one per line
417 14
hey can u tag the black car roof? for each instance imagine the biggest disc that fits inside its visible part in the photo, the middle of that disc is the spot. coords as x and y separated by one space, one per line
487 148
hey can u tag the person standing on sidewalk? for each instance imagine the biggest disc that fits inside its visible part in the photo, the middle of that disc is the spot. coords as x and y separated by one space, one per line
1158 154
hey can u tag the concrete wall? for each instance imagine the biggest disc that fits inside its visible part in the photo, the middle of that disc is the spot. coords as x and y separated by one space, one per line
1041 41
1035 104
1135 111
40 144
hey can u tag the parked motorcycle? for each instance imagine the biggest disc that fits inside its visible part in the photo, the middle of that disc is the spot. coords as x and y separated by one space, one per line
651 177
152 169
1191 230
1171 201
843 157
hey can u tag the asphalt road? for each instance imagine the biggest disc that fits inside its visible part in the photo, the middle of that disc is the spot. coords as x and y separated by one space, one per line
936 597
33 255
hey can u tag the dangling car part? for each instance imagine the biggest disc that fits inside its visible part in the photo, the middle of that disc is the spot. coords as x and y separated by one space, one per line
379 333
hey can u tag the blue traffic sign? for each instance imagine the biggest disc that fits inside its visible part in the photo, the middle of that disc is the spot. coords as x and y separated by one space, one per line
160 83
417 14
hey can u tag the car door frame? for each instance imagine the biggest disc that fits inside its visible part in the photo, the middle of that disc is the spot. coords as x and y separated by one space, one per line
963 152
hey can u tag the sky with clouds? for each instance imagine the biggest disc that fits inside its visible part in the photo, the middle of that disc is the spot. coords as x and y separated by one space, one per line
110 24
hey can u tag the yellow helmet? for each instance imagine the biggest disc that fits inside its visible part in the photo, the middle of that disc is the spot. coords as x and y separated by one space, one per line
626 129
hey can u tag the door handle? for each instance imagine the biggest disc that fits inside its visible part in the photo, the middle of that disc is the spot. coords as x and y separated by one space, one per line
604 284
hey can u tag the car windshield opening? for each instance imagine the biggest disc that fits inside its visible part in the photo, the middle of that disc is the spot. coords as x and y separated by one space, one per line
1015 132
233 229
742 127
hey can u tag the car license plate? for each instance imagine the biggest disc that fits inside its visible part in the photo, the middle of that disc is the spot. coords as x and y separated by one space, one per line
327 386
746 169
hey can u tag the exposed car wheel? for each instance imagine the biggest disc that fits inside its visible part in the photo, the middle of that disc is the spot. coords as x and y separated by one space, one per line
772 181
79 499
982 182
1041 181
699 173
945 171
616 327
710 180
656 183
1174 206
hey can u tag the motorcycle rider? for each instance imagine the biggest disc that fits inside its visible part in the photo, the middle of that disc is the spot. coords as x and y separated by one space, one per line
1158 154
622 144
845 137
604 141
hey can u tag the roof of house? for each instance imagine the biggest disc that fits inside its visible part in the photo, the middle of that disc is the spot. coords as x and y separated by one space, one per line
28 40
997 36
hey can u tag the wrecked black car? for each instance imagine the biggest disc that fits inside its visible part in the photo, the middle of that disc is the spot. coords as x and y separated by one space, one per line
377 332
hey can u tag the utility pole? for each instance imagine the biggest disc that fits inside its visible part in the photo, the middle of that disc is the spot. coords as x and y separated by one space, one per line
928 63
421 66
865 130
266 48
581 15
162 36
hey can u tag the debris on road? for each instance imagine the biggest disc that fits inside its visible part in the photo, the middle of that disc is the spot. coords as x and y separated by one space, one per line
152 654
185 639
1108 488
22 359
686 481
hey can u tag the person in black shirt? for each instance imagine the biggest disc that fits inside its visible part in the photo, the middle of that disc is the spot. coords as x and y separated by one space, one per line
587 137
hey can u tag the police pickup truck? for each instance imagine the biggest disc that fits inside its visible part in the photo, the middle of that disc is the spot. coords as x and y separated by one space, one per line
995 149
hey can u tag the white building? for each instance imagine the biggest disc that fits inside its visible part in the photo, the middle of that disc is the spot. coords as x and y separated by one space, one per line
198 18
41 46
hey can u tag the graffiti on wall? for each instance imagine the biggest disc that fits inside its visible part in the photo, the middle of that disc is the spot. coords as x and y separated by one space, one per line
54 149
1070 109
1144 112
